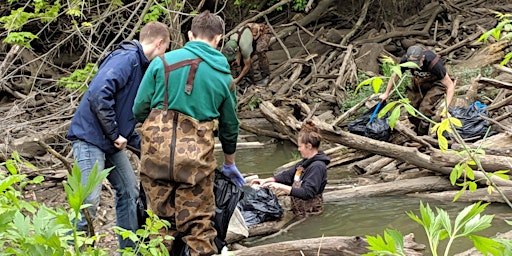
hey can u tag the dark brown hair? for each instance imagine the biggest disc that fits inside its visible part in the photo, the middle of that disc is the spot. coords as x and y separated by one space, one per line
309 133
207 25
154 30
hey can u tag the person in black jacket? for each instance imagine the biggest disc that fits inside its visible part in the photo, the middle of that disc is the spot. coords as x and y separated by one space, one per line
305 182
104 125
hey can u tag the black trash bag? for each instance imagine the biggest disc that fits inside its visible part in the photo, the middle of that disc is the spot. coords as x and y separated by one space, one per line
259 205
473 126
227 195
142 205
375 128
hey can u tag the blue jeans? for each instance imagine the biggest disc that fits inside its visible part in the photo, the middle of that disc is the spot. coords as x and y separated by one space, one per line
122 178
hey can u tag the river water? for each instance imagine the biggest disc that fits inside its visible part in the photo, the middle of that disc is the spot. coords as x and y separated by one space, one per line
361 216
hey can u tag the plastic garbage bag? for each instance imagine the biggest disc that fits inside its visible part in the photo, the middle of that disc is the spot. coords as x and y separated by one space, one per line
369 125
259 205
227 196
473 126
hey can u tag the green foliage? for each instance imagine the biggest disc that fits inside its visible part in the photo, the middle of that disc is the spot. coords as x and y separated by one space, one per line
21 38
445 126
79 79
158 10
43 11
76 194
439 227
502 31
254 103
145 245
28 228
391 244
299 5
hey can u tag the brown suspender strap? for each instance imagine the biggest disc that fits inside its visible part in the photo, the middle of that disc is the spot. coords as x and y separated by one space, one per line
434 61
193 63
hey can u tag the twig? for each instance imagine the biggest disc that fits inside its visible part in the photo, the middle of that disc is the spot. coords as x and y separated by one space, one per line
319 40
54 153
284 230
362 17
496 123
278 39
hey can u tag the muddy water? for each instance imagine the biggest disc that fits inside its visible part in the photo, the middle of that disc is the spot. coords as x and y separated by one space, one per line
362 216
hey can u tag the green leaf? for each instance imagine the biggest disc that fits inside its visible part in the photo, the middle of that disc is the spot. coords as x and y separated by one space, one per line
363 83
410 109
469 173
472 186
453 176
393 118
386 109
485 245
376 83
409 64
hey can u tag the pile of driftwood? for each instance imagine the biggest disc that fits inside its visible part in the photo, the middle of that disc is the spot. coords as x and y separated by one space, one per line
315 61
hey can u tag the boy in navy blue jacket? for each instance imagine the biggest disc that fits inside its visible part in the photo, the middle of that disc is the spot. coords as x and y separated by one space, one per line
103 124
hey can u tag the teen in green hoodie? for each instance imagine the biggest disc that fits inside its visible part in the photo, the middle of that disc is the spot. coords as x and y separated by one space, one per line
177 161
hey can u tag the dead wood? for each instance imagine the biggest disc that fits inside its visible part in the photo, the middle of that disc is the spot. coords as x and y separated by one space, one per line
400 187
324 246
481 194
435 161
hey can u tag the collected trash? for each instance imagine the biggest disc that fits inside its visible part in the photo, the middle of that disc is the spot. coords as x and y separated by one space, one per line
369 125
259 206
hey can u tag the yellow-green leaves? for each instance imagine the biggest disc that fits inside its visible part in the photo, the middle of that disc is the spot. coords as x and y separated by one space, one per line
375 82
445 126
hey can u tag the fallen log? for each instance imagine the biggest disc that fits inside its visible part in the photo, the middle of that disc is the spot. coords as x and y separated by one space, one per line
400 187
481 194
324 246
439 162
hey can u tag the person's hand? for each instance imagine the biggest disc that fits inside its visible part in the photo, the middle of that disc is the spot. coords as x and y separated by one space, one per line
383 97
120 142
256 182
236 80
234 174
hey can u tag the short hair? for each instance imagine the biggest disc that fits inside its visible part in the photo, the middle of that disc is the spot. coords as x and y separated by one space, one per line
207 25
309 133
154 30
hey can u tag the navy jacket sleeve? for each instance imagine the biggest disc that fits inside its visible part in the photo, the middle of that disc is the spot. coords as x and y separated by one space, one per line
107 82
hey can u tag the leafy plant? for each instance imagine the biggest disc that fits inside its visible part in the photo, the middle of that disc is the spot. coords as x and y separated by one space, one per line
42 10
254 103
439 227
391 244
502 31
79 79
145 245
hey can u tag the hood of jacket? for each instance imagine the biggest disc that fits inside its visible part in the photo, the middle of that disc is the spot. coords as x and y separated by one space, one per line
320 156
213 57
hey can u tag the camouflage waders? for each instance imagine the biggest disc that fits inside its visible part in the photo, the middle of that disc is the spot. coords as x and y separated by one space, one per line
304 208
424 94
178 170
260 45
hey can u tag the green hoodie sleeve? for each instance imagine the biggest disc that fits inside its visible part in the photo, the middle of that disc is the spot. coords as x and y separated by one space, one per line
142 103
228 124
